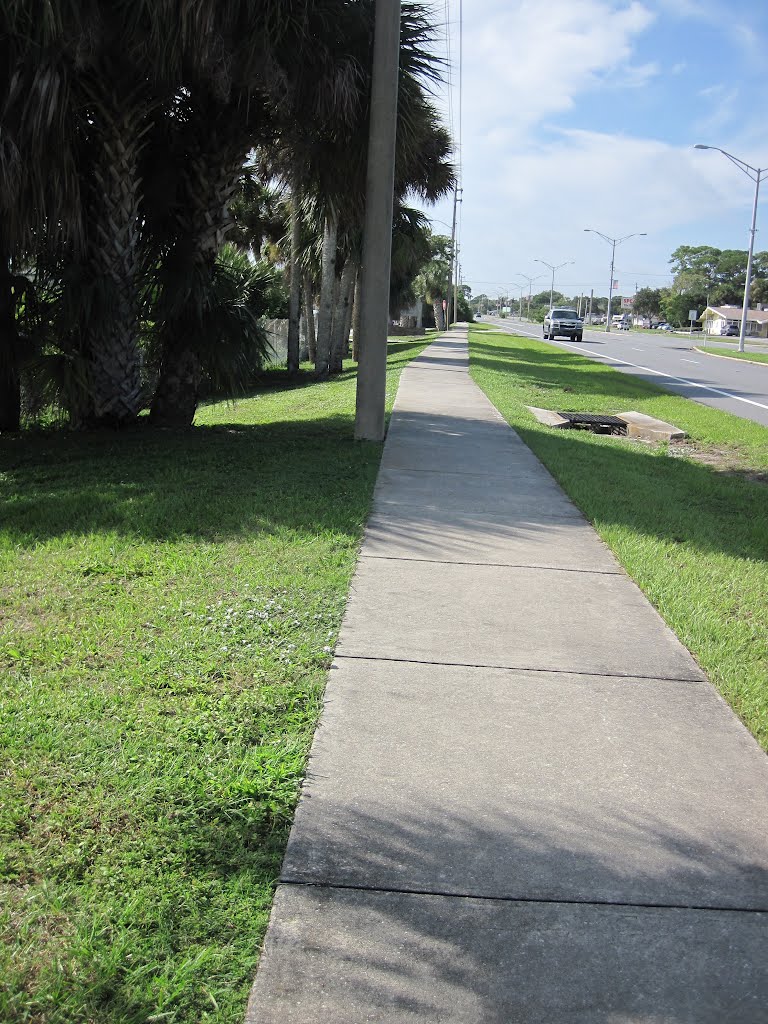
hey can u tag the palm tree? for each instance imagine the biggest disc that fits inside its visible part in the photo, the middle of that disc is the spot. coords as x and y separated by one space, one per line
39 191
434 282
333 154
412 248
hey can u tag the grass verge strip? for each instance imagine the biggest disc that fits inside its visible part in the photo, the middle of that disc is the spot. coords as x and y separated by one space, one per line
169 604
750 357
687 521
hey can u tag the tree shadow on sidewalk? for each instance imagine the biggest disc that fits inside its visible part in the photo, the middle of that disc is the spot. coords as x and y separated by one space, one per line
398 951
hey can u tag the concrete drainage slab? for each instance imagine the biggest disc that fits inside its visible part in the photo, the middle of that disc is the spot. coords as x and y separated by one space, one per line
640 425
631 424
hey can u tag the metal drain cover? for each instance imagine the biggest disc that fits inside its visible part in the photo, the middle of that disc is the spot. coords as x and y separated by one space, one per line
595 421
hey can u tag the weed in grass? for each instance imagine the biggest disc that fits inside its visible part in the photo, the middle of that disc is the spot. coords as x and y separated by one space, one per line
695 538
170 602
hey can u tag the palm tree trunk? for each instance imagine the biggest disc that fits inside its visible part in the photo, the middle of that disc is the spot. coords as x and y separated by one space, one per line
294 301
327 284
357 319
204 221
10 385
110 328
437 308
341 318
309 313
333 366
350 310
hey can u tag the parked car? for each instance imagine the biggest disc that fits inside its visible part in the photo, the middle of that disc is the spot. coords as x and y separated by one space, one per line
731 331
665 327
563 322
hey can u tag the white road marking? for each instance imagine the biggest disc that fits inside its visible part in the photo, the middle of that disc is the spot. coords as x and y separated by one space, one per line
696 361
648 369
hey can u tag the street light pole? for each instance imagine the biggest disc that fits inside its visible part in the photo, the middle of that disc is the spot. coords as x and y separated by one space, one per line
613 242
377 228
610 285
530 281
756 175
553 269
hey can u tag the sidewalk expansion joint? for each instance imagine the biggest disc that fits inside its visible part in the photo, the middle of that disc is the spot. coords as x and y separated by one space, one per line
445 472
494 565
520 668
383 507
553 901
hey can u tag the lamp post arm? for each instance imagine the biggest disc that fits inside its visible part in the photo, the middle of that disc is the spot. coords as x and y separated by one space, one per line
749 170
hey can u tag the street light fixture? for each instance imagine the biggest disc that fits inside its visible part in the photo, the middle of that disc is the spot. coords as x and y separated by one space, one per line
755 174
530 281
553 269
613 242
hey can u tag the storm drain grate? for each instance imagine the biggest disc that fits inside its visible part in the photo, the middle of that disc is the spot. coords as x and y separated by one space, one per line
595 422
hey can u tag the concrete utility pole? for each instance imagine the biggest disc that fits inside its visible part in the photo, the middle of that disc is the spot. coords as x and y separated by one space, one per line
377 228
453 276
456 286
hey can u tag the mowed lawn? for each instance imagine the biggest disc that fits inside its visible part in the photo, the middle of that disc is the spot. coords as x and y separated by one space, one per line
751 357
688 521
169 602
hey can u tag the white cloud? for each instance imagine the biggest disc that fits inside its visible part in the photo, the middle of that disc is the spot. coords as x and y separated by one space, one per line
720 15
722 105
637 75
540 201
532 186
528 62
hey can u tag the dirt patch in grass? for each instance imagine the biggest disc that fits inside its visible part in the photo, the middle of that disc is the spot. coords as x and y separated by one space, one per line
722 460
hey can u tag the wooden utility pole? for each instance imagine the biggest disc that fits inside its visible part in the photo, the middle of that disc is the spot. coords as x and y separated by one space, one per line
377 228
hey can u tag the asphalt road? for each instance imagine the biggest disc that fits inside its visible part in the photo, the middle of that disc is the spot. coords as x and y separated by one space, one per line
669 360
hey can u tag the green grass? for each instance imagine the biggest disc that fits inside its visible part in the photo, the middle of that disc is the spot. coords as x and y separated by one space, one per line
169 603
755 357
688 521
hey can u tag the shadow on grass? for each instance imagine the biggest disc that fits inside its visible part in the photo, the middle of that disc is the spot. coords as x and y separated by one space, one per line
672 499
210 482
232 480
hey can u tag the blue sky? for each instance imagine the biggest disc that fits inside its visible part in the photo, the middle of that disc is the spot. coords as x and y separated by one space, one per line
583 114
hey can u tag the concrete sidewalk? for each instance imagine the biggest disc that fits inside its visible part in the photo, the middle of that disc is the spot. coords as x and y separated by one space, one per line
525 802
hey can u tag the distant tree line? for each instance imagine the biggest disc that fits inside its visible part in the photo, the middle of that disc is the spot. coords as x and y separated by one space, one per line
701 276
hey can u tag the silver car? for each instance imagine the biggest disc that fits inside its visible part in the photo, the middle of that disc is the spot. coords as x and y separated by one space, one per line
563 322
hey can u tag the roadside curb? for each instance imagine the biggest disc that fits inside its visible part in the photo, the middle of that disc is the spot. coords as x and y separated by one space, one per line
720 355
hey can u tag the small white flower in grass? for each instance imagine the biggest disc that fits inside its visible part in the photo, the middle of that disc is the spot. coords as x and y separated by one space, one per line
327 649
